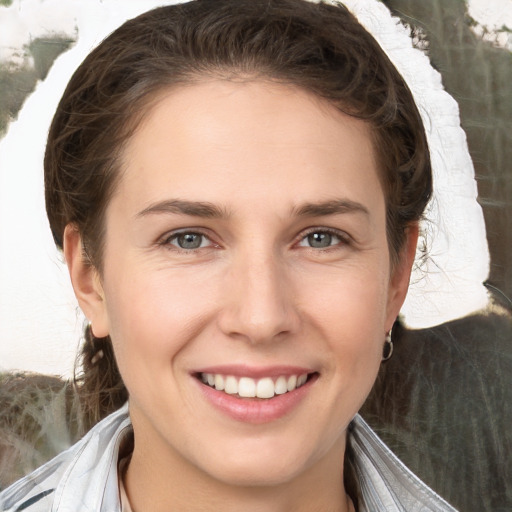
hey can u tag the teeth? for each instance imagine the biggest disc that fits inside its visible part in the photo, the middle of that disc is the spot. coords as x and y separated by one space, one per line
265 388
219 382
231 386
291 384
246 387
281 386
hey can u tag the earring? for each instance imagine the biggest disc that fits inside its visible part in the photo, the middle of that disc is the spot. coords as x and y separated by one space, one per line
91 340
388 347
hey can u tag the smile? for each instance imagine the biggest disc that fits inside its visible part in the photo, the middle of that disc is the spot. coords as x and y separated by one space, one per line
247 387
255 395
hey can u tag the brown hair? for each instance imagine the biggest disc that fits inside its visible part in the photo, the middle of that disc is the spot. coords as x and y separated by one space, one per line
316 46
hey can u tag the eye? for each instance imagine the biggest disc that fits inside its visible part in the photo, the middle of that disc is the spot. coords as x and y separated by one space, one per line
321 239
188 240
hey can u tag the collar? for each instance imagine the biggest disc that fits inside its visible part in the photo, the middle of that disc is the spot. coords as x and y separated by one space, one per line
385 483
90 482
85 477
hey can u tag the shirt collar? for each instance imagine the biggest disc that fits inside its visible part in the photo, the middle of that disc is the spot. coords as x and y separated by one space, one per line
90 483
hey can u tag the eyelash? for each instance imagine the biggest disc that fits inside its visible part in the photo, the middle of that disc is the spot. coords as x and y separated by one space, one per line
166 241
343 238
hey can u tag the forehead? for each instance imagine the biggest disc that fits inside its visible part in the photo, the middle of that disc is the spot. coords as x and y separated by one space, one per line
211 137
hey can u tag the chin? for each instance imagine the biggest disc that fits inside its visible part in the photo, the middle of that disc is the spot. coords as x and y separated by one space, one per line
261 464
250 474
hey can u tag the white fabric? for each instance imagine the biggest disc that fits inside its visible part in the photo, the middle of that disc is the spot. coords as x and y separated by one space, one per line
84 478
450 284
40 324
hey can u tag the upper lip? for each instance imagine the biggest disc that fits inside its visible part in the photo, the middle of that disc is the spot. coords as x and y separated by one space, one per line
255 372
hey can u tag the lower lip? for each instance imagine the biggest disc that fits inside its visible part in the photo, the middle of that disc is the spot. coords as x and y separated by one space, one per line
256 410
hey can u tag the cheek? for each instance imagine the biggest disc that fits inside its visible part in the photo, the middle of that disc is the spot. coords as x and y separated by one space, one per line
352 301
153 316
350 312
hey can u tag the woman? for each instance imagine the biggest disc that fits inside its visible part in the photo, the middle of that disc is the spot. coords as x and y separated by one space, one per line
236 186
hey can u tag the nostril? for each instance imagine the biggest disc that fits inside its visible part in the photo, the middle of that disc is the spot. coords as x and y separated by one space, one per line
259 308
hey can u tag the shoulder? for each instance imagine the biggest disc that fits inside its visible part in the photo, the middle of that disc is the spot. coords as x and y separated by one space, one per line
444 401
385 483
77 476
34 493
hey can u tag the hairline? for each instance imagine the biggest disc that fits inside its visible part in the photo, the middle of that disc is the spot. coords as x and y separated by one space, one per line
146 103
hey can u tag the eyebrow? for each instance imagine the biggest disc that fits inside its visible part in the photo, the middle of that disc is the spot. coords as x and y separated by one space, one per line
193 208
209 210
332 207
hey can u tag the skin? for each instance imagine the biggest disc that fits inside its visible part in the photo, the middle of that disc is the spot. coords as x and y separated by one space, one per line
254 293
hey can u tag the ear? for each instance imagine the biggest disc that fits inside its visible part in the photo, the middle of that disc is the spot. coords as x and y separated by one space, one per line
86 282
401 275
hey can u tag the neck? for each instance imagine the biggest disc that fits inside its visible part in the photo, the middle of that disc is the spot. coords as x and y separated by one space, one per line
160 480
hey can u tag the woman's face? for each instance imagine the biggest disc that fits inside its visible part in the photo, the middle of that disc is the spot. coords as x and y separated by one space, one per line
246 247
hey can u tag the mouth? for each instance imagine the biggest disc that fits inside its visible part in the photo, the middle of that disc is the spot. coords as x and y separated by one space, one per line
255 395
248 387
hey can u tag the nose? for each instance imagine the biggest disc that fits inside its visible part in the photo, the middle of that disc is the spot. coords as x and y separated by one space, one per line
259 304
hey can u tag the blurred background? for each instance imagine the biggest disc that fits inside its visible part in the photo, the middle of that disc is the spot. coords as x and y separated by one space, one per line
443 403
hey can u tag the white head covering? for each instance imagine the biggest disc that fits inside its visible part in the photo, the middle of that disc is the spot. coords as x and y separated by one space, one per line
449 283
39 316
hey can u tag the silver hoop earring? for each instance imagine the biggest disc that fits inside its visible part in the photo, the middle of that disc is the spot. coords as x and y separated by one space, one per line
387 352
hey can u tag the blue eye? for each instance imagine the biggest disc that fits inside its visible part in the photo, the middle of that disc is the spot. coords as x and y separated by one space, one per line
188 240
320 240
